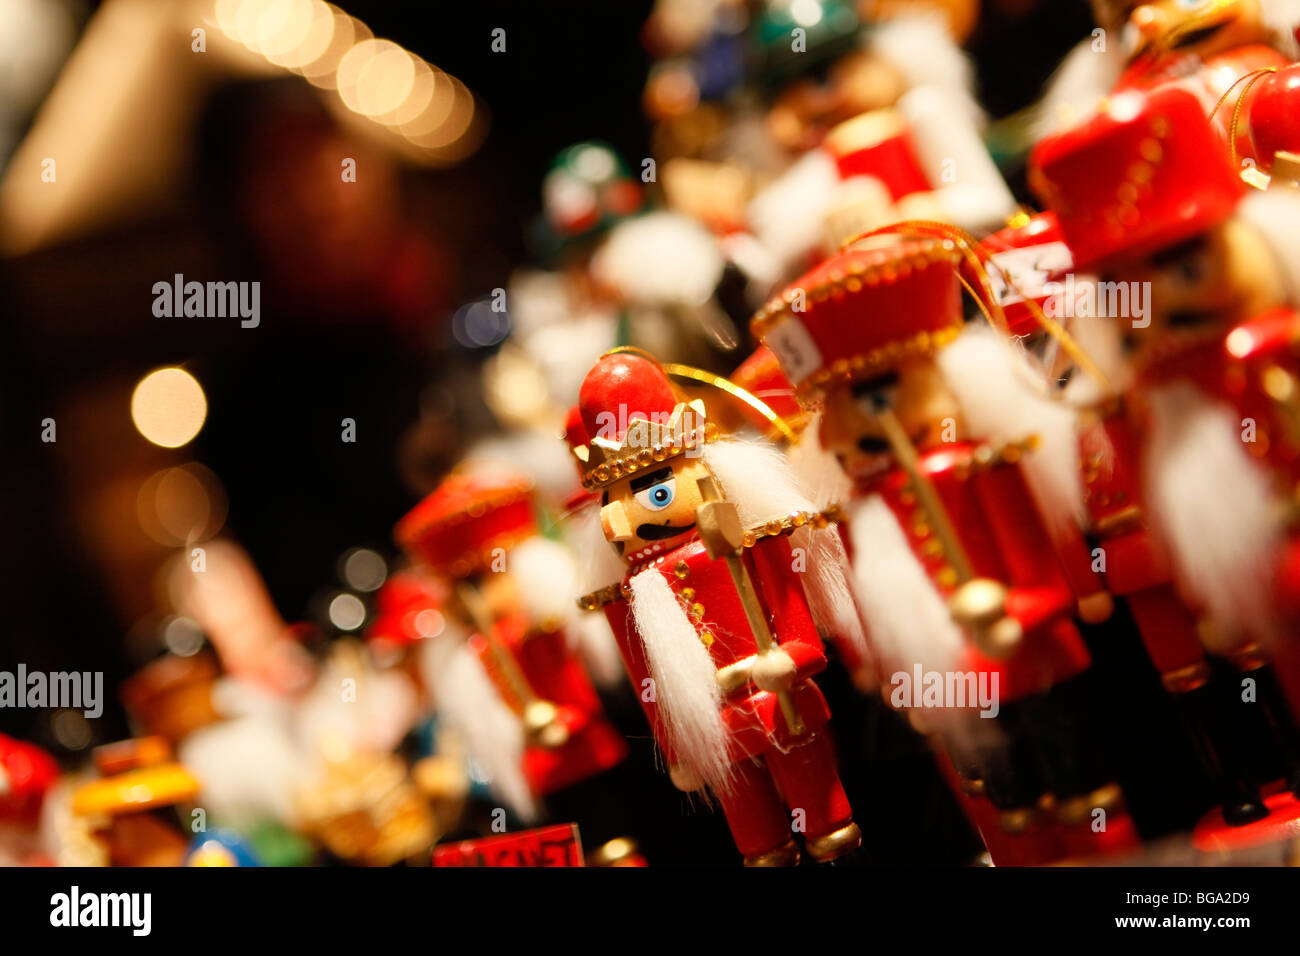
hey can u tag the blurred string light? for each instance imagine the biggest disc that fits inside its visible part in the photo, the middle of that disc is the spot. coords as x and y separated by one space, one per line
477 325
428 114
168 407
346 612
182 505
363 569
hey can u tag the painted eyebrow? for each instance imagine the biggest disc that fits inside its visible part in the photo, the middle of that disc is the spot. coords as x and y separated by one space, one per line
645 481
872 384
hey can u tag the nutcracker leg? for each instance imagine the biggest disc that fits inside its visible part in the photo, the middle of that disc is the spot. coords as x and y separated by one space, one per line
808 780
1275 711
757 818
1090 804
1169 633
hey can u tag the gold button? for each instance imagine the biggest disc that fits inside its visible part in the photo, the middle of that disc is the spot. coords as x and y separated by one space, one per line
681 570
697 610
688 594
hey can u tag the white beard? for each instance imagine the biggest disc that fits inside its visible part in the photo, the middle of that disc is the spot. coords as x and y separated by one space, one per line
1215 510
467 699
687 696
907 619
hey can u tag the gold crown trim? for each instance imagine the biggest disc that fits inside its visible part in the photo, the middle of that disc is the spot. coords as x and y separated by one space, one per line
646 444
863 365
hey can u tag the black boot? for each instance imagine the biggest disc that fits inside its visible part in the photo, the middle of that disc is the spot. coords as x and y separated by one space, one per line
1239 796
1277 714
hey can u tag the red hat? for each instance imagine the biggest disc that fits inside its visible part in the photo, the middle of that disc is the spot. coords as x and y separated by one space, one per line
456 529
863 310
876 143
1146 172
399 605
762 376
1031 253
634 418
576 437
26 773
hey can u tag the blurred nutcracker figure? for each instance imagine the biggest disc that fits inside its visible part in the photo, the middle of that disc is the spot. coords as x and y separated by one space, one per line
957 570
26 774
134 809
1145 195
506 670
712 617
895 122
1237 56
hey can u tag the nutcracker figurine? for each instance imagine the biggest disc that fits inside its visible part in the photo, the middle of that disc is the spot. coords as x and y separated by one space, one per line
1145 195
133 808
957 571
504 670
1237 56
26 774
711 615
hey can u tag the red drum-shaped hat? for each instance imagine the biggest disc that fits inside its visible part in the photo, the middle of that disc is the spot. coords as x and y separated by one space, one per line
863 311
1026 258
634 418
762 376
877 144
1144 173
456 529
26 773
407 609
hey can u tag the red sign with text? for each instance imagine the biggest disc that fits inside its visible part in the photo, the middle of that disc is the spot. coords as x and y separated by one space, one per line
548 846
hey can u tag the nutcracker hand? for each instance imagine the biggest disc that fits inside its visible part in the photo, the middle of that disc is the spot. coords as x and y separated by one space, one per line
866 679
1096 608
774 671
999 639
978 603
684 778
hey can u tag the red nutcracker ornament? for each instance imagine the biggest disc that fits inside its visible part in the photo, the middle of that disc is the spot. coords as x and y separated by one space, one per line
1146 196
515 688
712 616
1237 56
26 774
956 568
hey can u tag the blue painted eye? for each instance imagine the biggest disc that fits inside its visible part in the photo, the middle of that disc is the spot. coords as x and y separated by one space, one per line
658 497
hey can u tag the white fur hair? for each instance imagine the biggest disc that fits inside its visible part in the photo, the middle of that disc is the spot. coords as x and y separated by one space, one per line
599 650
1000 403
787 216
545 573
1214 508
918 44
948 143
817 470
598 562
1101 339
467 700
759 480
1084 77
1275 215
907 619
661 259
545 578
687 696
249 764
1282 17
